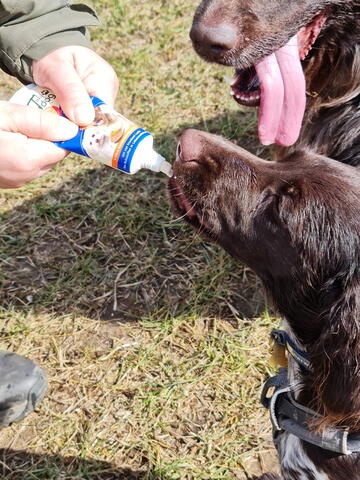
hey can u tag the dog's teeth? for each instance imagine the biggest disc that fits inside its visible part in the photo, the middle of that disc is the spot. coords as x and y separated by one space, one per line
245 97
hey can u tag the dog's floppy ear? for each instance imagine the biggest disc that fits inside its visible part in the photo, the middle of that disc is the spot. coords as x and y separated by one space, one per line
276 250
277 203
336 363
267 211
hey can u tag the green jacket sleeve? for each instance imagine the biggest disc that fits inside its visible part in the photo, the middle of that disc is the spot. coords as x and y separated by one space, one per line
30 29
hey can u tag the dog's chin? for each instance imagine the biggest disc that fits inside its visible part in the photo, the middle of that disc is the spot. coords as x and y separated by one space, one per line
184 209
245 88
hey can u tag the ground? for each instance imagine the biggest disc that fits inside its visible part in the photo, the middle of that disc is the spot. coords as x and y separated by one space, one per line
155 342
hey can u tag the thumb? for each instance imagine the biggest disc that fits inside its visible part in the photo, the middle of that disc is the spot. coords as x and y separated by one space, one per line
72 95
35 123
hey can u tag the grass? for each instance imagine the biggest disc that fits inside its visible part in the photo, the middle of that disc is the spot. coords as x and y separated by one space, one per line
155 342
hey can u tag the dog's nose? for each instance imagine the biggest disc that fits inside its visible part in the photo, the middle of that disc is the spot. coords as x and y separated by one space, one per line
189 146
219 39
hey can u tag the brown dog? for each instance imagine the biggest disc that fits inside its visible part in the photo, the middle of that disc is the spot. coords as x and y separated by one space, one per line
257 38
296 224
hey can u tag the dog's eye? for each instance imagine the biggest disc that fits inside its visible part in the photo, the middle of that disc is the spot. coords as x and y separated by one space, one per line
292 190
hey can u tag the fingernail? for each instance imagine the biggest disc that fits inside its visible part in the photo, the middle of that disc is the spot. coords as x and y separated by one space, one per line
68 129
266 143
84 114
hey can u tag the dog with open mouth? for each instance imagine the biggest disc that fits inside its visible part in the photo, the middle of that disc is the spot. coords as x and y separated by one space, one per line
294 222
297 60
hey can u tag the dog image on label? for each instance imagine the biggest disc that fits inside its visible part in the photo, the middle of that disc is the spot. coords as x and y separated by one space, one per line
101 136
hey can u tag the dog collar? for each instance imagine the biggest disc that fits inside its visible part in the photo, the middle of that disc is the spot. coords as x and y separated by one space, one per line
288 415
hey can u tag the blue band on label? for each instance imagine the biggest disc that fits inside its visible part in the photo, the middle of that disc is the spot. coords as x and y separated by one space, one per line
129 148
75 144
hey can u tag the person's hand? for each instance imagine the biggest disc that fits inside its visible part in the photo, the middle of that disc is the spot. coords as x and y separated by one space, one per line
26 151
73 73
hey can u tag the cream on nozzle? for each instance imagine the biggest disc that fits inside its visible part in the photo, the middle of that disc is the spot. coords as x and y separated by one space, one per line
110 139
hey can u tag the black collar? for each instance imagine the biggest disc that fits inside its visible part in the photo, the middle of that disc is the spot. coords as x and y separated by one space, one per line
288 415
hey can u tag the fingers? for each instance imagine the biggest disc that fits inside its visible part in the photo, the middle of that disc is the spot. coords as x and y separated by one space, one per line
26 151
103 84
23 159
73 73
35 123
72 94
43 154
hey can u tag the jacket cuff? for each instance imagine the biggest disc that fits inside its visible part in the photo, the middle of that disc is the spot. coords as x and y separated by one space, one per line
48 32
47 45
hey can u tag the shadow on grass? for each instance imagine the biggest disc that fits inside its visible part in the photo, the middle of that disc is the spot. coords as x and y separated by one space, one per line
105 245
22 465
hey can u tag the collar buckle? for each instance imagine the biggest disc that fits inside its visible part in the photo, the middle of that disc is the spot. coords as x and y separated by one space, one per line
289 416
282 347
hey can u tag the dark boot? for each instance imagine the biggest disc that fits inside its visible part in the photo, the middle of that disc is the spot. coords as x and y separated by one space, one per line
22 386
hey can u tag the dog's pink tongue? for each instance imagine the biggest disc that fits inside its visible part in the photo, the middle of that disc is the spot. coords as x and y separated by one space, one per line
283 96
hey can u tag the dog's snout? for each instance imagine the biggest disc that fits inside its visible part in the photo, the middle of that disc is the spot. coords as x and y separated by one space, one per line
190 146
216 40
